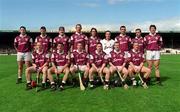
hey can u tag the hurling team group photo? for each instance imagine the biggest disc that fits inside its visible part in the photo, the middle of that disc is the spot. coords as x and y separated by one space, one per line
88 62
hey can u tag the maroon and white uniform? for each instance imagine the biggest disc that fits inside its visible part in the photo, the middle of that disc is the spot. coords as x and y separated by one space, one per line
140 41
40 58
80 58
60 59
92 42
117 58
153 46
78 38
46 42
124 42
99 59
136 57
24 46
64 40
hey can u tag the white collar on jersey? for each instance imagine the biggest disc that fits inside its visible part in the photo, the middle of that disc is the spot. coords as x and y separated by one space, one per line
23 35
39 52
93 37
97 52
117 51
43 36
152 34
79 51
107 40
78 33
138 37
58 51
122 35
135 51
61 35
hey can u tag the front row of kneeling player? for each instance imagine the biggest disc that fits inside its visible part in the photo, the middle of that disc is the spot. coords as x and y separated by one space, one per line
96 64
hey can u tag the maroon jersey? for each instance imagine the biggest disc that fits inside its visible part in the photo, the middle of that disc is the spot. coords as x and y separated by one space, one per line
99 59
92 42
40 58
117 58
46 42
140 41
124 42
136 57
23 44
79 58
60 59
153 42
78 38
64 40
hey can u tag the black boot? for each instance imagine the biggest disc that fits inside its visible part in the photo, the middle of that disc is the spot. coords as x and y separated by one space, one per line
19 80
28 86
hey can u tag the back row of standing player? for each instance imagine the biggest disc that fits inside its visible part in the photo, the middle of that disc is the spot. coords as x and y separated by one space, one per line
151 43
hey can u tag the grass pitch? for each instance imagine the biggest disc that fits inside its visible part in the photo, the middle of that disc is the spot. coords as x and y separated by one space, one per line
14 98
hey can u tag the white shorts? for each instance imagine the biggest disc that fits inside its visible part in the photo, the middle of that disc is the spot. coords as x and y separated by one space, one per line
24 56
59 68
119 67
152 55
81 67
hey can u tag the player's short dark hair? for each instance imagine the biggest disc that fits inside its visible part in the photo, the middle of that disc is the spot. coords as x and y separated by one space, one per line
135 43
138 29
22 27
152 26
62 27
93 29
99 44
79 25
43 27
107 31
60 44
122 26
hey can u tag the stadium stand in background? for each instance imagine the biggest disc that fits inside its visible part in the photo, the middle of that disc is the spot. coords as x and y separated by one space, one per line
171 40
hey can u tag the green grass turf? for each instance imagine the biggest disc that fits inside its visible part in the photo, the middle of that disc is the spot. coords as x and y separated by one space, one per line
14 98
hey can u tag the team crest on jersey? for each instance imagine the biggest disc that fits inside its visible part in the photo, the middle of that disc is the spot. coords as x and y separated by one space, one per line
40 40
139 55
63 56
46 40
26 39
56 56
58 39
